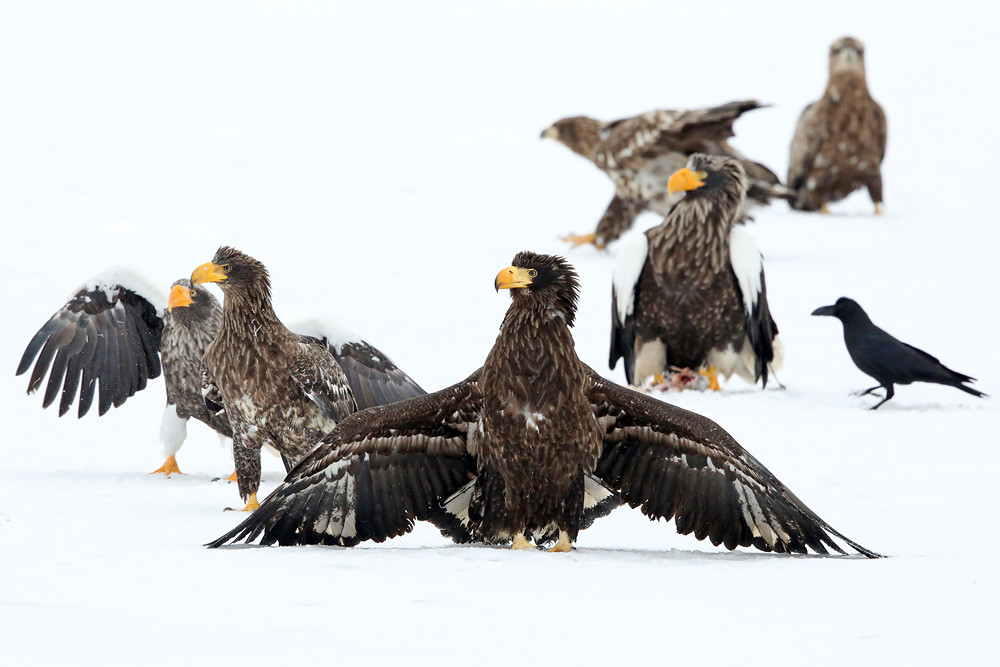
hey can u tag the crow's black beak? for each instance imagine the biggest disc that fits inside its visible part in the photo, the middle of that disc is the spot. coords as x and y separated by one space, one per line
825 310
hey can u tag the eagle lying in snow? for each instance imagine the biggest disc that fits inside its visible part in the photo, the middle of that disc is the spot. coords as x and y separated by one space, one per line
690 293
840 140
639 154
533 444
113 335
282 389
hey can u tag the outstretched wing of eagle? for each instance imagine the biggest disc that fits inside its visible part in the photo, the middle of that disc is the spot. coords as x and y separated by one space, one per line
386 467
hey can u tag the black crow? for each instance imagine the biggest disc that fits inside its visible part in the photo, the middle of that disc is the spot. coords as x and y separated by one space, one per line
885 358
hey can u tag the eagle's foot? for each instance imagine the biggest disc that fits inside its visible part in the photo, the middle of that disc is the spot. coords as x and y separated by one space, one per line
169 466
521 543
878 208
824 209
678 379
713 378
564 545
582 239
252 504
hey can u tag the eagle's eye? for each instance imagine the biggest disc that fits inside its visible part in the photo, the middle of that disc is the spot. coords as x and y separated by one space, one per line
192 293
532 273
226 268
702 175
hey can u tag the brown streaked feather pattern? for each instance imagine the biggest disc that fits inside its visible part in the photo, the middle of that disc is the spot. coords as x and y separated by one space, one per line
672 463
640 153
840 139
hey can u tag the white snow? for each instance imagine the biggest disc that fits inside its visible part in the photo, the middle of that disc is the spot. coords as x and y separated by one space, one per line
383 160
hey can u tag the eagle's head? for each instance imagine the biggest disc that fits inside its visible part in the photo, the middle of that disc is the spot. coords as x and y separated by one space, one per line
190 302
578 133
548 278
233 271
714 177
847 56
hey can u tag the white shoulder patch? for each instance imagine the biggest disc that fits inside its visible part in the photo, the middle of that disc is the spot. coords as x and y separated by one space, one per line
129 280
335 333
628 266
747 264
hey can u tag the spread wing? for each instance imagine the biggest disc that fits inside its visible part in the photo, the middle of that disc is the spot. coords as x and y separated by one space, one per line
105 339
373 377
322 380
375 474
748 272
808 137
624 291
672 463
629 143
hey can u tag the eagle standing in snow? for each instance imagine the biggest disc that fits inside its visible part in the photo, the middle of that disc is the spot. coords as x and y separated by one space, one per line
690 292
534 444
279 388
639 154
839 143
113 334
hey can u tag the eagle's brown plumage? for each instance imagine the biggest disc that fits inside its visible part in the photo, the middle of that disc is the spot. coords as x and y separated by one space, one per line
691 293
278 388
639 154
533 443
112 337
839 143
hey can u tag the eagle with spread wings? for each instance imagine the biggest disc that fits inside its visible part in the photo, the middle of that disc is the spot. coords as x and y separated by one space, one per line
533 446
640 153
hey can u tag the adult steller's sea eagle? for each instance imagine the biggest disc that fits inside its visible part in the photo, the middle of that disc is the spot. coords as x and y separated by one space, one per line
108 340
282 389
639 154
839 143
533 444
690 293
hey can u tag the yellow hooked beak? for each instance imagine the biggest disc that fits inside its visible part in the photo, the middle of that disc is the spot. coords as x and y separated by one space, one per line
180 297
685 180
208 273
550 133
514 276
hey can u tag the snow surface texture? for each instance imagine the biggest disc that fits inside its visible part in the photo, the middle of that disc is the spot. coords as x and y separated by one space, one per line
384 162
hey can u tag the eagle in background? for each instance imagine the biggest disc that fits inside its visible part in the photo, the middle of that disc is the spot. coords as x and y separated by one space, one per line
639 154
116 333
839 143
281 389
534 444
690 292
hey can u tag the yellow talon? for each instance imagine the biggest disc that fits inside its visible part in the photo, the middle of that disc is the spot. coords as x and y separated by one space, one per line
252 504
824 210
582 239
713 378
231 478
169 466
563 545
521 543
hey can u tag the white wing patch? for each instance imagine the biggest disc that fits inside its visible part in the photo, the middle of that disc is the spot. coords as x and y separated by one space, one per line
747 264
333 332
628 267
129 280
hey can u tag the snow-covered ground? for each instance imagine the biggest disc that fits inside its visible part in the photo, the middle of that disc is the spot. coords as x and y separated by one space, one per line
383 160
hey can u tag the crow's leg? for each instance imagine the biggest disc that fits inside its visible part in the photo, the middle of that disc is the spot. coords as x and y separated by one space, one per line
868 391
889 393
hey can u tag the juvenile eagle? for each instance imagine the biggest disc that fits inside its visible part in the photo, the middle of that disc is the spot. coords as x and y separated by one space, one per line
113 333
639 154
839 143
533 444
690 293
279 388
